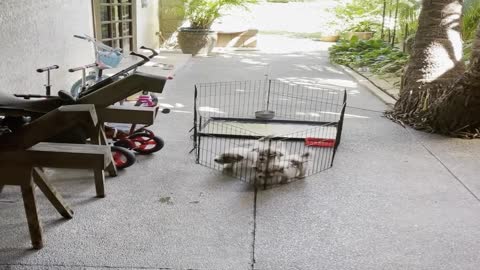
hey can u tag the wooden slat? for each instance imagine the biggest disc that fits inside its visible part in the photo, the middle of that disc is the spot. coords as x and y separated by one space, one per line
34 226
56 155
49 125
15 174
52 195
128 114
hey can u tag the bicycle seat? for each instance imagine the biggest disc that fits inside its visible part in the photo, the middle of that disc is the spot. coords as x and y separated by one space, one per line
9 102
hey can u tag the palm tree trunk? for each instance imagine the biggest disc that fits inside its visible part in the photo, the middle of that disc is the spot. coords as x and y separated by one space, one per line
436 60
457 112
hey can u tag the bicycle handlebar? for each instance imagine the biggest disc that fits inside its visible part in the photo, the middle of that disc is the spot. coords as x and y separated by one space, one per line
121 73
145 58
80 37
40 70
82 67
154 53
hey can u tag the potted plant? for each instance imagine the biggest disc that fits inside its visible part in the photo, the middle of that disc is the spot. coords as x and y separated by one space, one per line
198 38
363 30
332 34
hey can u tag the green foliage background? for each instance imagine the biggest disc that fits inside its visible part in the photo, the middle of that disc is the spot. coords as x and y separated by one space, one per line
375 54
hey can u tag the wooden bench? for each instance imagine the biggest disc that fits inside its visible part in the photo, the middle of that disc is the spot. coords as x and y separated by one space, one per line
23 156
128 114
24 168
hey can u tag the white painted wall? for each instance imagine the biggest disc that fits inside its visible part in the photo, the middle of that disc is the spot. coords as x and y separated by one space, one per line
147 23
40 33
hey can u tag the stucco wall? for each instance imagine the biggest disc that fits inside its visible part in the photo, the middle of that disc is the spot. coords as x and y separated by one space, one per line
39 33
147 24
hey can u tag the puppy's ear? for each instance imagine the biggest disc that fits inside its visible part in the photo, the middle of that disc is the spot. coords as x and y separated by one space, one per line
305 155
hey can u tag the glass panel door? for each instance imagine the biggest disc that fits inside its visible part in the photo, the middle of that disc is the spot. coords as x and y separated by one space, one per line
115 23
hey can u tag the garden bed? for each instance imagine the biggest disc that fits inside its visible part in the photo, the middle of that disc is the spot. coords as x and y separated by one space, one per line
375 60
388 83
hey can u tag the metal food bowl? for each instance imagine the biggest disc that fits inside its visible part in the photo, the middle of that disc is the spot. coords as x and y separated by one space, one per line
265 115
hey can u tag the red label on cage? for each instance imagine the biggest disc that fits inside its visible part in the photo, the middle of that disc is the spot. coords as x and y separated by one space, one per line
319 142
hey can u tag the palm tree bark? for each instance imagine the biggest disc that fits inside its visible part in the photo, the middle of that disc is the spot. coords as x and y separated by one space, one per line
436 60
457 112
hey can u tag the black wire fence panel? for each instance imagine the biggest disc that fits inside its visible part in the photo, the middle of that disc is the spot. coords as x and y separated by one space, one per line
298 138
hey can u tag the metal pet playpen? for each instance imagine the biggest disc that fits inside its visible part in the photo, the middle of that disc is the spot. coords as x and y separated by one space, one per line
267 132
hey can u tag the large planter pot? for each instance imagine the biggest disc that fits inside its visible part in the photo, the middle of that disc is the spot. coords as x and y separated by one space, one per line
330 38
360 35
196 41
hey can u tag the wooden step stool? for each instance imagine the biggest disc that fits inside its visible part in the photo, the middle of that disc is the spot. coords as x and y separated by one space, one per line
24 168
23 155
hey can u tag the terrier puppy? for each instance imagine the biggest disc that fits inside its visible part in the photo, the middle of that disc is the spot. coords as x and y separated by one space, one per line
236 155
290 167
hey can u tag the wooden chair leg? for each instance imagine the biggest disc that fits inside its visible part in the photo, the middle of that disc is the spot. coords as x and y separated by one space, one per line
52 195
32 215
111 169
1 188
100 182
99 137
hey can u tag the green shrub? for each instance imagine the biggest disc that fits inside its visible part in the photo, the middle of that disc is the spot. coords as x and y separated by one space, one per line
471 18
376 54
364 26
202 13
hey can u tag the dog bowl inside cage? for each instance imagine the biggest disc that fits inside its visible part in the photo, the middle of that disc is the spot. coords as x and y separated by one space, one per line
267 132
265 115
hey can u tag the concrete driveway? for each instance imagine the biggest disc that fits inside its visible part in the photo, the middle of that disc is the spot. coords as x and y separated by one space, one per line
309 16
395 198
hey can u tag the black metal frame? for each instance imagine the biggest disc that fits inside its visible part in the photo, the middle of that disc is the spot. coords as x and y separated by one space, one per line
201 121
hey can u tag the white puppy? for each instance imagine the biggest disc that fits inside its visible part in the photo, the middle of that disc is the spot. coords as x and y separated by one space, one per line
289 168
235 155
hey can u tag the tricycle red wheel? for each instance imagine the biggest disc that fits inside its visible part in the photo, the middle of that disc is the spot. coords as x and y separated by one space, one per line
146 144
122 157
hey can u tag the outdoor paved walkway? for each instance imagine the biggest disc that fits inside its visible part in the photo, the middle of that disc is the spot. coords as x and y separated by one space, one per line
395 198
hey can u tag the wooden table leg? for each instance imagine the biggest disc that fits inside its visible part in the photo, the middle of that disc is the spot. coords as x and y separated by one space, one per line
111 169
99 182
32 215
52 195
99 137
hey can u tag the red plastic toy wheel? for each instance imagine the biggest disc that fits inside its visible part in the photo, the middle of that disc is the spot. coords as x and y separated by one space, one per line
122 157
146 144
